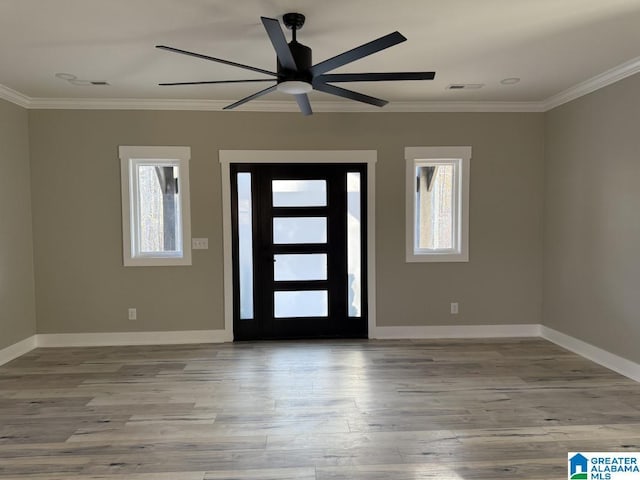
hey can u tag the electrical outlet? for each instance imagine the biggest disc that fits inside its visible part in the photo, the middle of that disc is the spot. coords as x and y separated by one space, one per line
133 314
200 243
454 308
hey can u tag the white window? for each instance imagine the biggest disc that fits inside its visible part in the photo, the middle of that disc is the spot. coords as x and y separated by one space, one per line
437 204
156 224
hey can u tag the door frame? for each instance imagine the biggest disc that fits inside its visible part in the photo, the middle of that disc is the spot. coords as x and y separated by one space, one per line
227 157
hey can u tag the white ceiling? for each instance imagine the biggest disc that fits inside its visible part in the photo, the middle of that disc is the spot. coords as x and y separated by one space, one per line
551 45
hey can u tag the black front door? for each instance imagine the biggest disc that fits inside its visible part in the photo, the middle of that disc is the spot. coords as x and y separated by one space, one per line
299 250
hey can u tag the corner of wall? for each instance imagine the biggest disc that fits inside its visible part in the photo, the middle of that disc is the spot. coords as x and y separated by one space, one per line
17 296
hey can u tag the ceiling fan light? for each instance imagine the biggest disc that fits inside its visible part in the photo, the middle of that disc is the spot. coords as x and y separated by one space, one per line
294 87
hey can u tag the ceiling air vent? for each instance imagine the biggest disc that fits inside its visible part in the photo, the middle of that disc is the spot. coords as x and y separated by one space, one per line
73 80
465 86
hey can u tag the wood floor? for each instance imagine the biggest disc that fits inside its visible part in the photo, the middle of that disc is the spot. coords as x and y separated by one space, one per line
400 410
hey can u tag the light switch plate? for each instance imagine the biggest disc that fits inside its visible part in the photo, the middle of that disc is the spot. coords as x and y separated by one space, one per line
200 243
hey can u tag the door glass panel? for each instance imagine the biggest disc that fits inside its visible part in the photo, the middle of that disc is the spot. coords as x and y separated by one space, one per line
301 303
354 243
300 267
299 230
245 245
299 193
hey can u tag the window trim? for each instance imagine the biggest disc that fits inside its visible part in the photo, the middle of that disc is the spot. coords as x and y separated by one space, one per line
415 156
131 156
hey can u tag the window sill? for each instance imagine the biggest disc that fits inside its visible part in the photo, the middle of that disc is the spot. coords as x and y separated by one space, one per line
157 262
437 257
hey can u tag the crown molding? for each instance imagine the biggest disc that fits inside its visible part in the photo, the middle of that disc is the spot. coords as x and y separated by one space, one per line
276 106
463 107
125 104
604 79
14 96
257 106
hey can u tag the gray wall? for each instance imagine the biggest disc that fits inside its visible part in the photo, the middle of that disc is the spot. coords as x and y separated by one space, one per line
17 303
592 219
83 287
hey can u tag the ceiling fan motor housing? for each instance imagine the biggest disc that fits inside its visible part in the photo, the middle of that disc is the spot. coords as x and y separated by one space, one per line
302 56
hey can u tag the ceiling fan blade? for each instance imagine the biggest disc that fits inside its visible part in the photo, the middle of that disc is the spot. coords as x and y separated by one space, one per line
350 94
251 97
279 42
357 53
213 82
213 59
303 103
375 77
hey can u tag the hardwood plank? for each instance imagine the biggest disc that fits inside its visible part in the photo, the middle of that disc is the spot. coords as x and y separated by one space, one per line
126 476
264 474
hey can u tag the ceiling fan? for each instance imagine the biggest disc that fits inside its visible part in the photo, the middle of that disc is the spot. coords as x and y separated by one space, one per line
296 75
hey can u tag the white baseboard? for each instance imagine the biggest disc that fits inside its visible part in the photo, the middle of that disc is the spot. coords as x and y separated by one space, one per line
595 354
17 349
108 339
456 331
606 359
